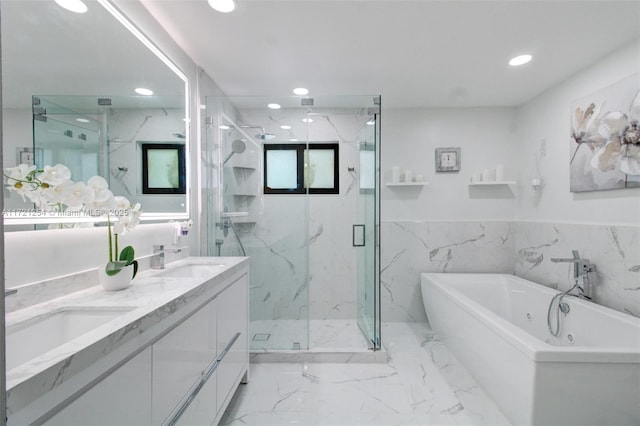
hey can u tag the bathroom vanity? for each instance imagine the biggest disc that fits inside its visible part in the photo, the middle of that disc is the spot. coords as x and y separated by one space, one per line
170 349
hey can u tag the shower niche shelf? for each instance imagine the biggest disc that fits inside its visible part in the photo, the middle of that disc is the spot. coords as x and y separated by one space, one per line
241 167
401 184
494 183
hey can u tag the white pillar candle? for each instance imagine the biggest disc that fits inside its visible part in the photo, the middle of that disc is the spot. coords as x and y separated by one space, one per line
499 172
408 176
487 176
395 174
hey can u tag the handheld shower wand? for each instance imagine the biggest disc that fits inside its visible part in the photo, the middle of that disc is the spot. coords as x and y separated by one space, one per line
237 147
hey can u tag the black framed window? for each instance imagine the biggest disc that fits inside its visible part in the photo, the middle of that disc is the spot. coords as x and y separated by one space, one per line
163 168
301 168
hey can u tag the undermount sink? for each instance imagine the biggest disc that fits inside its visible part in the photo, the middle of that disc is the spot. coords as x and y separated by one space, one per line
190 270
34 337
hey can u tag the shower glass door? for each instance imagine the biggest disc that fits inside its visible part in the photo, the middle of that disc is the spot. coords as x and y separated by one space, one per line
366 230
250 218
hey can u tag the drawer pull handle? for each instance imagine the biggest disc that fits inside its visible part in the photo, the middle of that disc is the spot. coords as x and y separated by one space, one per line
212 369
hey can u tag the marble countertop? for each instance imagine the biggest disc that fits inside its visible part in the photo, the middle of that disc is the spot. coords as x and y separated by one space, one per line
154 295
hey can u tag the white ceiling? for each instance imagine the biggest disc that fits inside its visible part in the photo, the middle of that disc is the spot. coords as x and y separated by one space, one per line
418 53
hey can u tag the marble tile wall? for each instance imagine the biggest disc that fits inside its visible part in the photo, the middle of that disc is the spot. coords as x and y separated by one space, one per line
615 250
410 248
520 248
303 262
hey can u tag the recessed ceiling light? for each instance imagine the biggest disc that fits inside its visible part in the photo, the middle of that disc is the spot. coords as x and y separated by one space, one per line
76 6
223 127
224 6
371 122
274 106
293 140
520 60
285 127
83 120
144 92
301 91
202 106
307 120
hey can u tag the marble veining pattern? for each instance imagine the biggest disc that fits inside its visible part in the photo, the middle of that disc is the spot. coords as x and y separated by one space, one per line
410 248
615 251
152 299
523 248
422 384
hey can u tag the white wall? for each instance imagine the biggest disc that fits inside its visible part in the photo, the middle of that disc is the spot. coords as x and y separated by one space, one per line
487 136
548 118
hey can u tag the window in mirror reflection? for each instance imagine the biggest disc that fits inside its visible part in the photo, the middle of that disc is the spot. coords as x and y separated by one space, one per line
163 168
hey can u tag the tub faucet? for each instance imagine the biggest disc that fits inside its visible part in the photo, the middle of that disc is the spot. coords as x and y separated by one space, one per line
10 292
157 260
581 269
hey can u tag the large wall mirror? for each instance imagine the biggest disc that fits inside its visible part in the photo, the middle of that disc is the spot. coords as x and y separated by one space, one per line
69 98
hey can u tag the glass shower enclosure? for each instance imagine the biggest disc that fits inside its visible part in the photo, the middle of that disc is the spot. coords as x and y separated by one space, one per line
295 186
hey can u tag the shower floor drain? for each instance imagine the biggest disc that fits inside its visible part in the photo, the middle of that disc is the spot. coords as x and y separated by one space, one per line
261 337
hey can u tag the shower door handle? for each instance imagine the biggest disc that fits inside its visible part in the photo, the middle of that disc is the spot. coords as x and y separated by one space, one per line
358 236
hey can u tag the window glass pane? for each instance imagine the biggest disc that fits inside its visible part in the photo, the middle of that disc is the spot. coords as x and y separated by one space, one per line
320 168
282 169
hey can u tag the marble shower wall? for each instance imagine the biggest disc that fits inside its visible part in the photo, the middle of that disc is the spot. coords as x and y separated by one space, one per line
410 248
303 261
615 250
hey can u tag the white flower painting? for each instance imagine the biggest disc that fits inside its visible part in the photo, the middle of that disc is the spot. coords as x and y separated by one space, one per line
605 138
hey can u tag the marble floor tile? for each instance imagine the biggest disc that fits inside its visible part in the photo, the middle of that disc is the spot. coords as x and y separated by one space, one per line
318 335
422 384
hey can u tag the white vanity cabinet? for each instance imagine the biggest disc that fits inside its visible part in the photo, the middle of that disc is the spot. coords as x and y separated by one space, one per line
122 398
199 364
232 337
179 369
180 360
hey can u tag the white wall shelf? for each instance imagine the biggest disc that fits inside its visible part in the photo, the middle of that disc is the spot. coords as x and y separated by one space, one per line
399 184
494 183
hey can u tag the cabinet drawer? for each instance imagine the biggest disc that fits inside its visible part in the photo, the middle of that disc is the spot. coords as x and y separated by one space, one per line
180 359
123 398
232 319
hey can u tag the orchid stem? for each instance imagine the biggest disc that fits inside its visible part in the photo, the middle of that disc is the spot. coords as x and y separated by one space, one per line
110 242
117 251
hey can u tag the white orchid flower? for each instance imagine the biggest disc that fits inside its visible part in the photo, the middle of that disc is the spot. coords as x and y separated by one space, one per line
623 147
78 195
19 172
122 203
17 180
130 221
57 194
54 175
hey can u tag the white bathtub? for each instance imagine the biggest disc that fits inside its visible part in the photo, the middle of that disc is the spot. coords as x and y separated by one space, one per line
496 325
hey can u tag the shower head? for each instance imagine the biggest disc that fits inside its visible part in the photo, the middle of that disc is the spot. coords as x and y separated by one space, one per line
179 135
263 135
237 147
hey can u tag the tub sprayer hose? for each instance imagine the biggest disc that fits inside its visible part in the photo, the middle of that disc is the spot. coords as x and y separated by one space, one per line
558 297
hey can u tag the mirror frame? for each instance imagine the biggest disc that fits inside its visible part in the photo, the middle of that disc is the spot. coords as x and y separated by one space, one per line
27 217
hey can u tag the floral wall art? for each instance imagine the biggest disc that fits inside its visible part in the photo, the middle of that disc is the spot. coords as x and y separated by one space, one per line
605 138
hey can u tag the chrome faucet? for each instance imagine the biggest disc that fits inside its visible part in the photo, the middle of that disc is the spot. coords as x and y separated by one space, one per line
581 269
157 260
10 292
